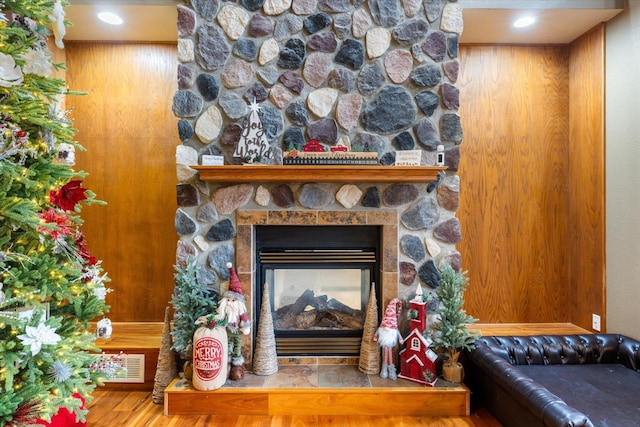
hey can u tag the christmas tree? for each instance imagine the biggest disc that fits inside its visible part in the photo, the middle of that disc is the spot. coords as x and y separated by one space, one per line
51 286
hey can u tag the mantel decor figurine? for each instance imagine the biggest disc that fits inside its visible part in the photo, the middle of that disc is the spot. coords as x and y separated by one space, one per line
314 153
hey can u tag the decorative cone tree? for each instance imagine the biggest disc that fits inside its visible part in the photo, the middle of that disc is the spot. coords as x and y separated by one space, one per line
265 358
51 287
369 362
166 368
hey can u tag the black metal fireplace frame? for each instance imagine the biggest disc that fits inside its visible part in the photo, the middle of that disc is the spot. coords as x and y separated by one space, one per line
323 239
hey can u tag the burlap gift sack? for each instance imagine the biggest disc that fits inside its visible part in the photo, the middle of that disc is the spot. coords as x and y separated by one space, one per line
210 352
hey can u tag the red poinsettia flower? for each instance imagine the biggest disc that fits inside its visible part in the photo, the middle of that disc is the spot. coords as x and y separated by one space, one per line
68 196
51 216
83 250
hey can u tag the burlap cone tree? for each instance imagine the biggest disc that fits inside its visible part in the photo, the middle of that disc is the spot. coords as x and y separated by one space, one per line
166 369
369 350
265 358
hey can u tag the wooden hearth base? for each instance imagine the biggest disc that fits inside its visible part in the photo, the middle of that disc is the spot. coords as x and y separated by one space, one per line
181 399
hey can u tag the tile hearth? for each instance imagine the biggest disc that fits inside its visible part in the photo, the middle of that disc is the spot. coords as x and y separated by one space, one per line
317 376
318 389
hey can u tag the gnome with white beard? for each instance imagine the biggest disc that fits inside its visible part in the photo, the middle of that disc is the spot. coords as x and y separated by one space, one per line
387 336
232 311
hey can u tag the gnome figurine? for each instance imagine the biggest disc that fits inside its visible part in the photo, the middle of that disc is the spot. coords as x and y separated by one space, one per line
387 336
233 310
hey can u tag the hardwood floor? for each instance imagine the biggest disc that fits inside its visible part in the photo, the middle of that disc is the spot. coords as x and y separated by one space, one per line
136 409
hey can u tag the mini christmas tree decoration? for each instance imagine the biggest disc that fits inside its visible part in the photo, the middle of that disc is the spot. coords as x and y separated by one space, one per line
253 145
451 335
190 302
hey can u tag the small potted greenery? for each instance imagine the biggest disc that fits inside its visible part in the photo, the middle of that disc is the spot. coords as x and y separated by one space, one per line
190 301
451 335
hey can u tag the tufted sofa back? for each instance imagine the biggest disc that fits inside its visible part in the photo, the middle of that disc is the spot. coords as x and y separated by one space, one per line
565 349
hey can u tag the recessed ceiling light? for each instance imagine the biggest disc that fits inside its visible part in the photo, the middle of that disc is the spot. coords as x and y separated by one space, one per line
525 21
110 18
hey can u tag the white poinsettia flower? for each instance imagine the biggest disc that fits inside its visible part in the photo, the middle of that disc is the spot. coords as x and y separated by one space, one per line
37 61
101 292
37 336
10 73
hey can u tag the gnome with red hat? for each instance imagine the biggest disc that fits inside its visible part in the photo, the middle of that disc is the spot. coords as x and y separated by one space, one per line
233 310
387 336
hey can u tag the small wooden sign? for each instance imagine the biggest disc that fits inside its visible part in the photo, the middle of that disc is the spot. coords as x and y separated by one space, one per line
408 158
209 160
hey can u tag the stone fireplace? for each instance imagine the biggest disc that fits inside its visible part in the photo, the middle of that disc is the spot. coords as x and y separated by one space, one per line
380 74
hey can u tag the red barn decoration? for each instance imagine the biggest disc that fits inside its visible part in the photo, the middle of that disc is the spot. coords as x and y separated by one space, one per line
417 360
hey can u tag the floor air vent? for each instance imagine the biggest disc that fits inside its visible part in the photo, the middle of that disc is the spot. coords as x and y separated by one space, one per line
134 363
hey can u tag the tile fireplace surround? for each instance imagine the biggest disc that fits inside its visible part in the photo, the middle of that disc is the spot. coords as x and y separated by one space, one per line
248 219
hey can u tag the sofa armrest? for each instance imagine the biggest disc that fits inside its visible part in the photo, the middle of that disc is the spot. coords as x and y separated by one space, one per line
629 352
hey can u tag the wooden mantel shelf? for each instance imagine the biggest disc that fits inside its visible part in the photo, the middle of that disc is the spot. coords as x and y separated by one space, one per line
333 173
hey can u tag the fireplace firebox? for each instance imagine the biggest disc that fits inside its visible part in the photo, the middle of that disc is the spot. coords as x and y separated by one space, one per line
319 279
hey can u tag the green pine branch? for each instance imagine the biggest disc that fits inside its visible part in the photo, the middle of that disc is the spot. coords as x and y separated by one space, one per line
190 301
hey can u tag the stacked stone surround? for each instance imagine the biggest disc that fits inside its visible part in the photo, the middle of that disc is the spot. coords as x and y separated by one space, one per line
380 72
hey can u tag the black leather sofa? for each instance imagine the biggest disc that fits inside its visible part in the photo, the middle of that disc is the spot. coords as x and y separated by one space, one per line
557 380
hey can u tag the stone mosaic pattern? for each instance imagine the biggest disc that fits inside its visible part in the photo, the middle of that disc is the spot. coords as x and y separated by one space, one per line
381 72
373 71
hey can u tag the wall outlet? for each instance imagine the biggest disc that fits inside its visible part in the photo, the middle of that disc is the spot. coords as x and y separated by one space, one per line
595 322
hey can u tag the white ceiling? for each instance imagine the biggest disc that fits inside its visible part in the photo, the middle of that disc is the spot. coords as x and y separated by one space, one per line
485 21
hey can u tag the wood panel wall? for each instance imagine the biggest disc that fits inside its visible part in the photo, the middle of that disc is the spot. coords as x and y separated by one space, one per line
587 293
126 124
514 182
532 199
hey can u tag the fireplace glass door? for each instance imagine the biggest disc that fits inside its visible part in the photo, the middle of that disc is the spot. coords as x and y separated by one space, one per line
318 295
